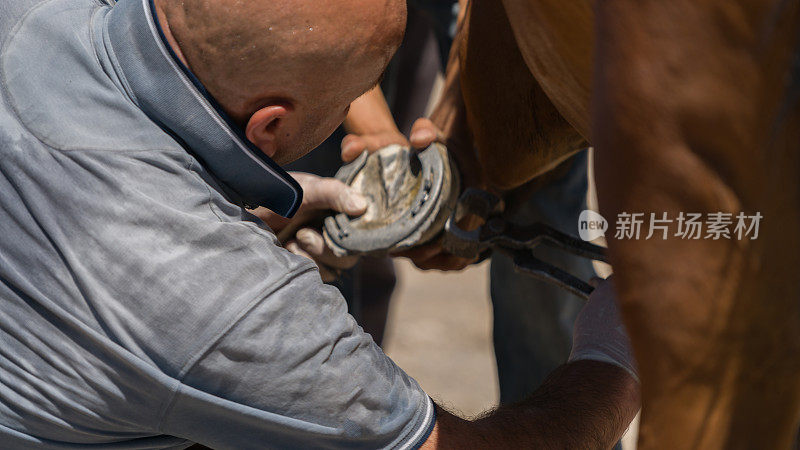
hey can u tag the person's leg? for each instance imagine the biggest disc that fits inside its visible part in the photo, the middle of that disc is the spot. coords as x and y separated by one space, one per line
410 77
533 319
442 15
369 287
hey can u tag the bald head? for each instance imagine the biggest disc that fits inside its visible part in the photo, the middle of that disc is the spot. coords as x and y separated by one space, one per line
307 59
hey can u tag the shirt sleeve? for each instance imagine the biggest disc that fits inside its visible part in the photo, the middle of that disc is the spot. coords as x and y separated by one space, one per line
297 371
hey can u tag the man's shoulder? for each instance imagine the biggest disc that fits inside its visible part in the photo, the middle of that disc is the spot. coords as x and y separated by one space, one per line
68 96
124 229
12 12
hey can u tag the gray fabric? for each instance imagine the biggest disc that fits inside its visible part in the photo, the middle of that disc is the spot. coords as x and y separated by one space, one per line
139 307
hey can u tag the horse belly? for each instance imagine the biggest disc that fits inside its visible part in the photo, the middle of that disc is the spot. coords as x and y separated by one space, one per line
518 130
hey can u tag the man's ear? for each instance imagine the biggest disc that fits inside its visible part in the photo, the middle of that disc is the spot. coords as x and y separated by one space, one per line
263 127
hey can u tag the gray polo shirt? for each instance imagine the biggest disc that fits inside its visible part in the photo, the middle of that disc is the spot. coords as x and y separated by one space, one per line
140 305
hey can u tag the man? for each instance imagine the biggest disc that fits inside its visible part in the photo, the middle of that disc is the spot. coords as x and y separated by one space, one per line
144 307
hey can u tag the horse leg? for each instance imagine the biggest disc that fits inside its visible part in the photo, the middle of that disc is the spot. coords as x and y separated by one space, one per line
696 110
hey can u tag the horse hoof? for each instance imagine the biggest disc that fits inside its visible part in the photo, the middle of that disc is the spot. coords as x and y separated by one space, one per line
410 196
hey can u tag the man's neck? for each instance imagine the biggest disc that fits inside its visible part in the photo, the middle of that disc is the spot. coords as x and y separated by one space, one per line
162 21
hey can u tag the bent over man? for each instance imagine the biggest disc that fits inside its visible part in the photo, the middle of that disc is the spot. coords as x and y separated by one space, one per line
144 307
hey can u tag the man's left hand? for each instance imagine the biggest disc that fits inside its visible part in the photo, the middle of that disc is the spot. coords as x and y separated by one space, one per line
319 195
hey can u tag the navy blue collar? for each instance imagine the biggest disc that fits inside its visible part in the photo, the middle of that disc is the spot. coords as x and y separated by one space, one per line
173 97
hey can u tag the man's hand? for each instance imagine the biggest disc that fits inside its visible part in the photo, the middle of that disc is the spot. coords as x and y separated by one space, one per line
354 145
319 195
423 134
371 126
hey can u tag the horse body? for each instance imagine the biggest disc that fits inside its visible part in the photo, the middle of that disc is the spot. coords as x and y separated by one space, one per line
692 108
518 129
556 40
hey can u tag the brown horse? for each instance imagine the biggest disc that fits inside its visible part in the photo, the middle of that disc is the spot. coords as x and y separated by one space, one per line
693 106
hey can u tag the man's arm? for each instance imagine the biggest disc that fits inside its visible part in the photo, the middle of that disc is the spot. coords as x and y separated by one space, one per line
371 126
586 403
583 404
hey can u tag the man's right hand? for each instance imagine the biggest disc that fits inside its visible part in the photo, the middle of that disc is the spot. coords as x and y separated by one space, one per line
423 134
354 145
